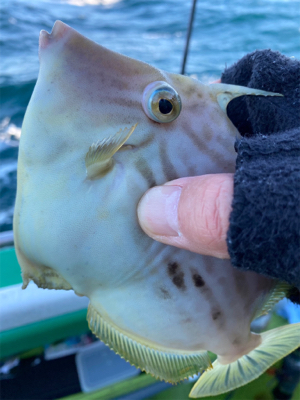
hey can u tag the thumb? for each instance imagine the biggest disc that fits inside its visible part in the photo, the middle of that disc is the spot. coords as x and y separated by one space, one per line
190 213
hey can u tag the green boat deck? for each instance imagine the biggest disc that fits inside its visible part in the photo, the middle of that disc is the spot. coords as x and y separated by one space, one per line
38 334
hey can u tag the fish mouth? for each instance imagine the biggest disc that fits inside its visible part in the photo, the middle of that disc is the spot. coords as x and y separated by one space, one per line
59 31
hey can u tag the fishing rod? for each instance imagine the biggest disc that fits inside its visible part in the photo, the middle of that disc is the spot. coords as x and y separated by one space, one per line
187 43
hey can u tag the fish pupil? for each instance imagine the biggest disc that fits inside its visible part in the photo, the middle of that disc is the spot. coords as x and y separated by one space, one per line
165 106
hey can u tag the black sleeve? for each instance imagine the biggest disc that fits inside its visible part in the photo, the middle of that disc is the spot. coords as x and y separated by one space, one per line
264 232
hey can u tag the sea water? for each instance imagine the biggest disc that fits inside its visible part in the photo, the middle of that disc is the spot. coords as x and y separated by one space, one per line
153 31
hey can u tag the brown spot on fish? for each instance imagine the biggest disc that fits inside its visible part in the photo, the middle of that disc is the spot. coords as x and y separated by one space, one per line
218 317
176 275
178 281
236 341
208 294
164 293
216 314
198 280
172 268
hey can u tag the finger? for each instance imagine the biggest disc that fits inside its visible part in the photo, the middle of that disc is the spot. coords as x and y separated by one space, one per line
190 213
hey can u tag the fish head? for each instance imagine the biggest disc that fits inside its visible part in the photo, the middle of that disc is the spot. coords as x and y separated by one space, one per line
86 96
100 129
86 93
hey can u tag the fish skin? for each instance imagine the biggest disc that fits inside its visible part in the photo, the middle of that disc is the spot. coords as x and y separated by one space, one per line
80 233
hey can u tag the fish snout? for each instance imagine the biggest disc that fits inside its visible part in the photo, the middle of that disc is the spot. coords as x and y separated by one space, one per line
58 32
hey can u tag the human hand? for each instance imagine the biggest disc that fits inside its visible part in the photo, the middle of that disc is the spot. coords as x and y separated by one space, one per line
190 213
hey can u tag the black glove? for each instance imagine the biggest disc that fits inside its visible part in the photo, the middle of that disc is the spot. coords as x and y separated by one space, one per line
264 232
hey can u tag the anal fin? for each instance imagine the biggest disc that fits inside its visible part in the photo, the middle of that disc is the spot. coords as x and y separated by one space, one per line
276 344
170 366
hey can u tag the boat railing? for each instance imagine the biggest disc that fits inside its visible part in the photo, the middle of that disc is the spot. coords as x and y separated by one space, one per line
6 239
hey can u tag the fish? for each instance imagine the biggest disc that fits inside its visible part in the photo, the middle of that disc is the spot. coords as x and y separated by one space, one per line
100 129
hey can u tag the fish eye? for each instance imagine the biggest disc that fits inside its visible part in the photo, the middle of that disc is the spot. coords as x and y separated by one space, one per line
161 102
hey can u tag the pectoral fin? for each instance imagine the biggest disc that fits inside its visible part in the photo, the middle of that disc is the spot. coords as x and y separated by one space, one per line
276 344
99 157
224 93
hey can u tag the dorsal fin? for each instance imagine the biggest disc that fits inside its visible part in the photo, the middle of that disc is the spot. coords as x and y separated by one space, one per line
224 93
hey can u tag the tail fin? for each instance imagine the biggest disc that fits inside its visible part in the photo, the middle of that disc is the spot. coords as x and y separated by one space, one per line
276 344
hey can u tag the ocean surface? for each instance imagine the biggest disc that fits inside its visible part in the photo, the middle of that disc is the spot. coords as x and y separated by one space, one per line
149 30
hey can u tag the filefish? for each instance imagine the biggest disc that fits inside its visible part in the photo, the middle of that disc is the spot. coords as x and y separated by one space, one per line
101 129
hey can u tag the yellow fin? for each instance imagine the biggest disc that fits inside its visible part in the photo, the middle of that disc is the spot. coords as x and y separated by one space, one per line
276 344
224 93
99 157
279 292
167 366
